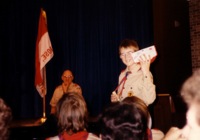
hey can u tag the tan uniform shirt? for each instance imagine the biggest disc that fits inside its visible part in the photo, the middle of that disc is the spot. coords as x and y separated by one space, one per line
137 85
58 92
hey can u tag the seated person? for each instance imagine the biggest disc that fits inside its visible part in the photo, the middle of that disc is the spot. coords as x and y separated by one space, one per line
72 116
190 93
124 121
67 86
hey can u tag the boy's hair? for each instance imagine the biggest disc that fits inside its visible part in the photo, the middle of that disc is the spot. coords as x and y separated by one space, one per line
126 43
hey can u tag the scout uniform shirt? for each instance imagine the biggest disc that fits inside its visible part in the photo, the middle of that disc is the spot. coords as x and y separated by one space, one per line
137 85
58 93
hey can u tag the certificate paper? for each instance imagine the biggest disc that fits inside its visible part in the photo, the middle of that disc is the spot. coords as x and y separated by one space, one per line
149 51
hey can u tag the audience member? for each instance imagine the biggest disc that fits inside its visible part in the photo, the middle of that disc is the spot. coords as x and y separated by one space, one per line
190 93
5 119
72 116
124 121
137 102
67 86
136 79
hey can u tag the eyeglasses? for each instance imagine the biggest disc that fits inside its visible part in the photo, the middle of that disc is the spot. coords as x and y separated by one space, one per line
65 76
122 55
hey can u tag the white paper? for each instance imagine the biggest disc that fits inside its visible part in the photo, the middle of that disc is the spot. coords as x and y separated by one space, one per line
149 51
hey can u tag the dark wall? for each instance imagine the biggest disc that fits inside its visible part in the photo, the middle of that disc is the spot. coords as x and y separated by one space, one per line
172 40
173 64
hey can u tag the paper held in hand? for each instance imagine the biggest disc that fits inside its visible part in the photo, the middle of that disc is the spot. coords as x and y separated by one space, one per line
149 51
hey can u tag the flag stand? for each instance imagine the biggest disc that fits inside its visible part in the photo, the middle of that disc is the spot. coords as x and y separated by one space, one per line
43 119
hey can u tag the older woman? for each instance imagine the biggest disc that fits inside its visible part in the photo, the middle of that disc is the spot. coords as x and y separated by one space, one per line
72 116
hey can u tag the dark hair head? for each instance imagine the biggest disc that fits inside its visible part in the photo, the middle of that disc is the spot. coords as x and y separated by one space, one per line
137 102
123 121
72 113
126 43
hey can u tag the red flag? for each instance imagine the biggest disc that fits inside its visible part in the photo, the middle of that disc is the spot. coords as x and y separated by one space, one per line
43 54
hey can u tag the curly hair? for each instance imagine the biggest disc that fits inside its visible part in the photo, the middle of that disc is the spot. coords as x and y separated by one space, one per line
5 119
124 121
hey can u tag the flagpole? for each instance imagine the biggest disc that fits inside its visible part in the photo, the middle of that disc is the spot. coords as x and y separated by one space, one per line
44 54
44 109
43 119
45 91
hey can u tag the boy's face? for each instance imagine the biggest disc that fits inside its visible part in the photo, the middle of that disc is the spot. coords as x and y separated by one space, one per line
125 55
191 131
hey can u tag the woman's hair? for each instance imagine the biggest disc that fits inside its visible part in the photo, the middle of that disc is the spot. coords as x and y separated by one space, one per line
5 119
72 113
124 121
190 91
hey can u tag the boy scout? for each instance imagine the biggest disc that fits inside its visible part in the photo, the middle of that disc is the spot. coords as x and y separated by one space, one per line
136 79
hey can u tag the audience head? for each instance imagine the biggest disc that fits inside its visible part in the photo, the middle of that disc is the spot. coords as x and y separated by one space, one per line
67 77
5 119
137 102
124 121
72 113
191 94
190 89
